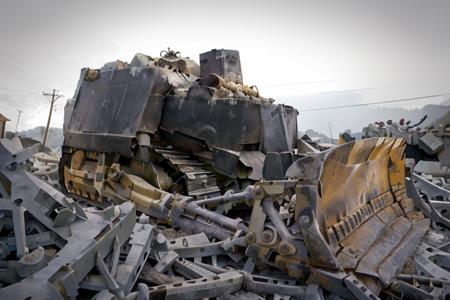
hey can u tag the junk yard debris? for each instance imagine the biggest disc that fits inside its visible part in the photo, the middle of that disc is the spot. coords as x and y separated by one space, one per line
178 181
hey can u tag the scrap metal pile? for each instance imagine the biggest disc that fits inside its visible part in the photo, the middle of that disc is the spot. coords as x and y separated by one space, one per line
187 184
428 147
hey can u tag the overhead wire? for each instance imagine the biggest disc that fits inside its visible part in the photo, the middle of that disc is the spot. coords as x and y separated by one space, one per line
305 82
19 91
357 89
386 87
374 103
19 72
28 77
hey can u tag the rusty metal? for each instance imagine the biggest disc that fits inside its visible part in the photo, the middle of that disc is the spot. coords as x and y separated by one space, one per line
215 81
232 204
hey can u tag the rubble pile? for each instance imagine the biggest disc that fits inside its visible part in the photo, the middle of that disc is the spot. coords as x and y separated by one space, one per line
52 248
428 148
180 182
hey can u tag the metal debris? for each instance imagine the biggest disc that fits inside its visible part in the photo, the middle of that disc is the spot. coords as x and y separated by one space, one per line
56 244
230 203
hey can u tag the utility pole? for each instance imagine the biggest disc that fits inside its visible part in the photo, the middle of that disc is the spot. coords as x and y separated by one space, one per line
18 119
52 101
331 133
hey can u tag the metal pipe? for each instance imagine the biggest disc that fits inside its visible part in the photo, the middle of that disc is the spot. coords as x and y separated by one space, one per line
215 81
190 225
227 198
110 281
274 217
222 220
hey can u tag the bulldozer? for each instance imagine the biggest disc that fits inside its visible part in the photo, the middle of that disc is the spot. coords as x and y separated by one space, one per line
182 127
192 145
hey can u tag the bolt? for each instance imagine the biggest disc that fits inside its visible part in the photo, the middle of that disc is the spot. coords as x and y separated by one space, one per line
286 248
161 239
267 236
250 237
304 219
258 190
18 201
12 166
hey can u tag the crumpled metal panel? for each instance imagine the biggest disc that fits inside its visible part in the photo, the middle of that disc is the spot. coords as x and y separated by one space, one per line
115 101
224 123
111 109
279 130
243 163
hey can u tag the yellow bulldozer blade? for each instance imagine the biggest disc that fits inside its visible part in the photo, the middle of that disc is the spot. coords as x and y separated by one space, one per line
358 225
368 219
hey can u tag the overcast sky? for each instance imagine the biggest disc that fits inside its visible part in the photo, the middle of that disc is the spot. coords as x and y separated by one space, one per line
289 49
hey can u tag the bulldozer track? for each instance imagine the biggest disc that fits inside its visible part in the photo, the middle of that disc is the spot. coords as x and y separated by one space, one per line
200 182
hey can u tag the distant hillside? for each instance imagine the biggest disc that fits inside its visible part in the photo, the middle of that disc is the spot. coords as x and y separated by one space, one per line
55 136
361 117
356 118
314 134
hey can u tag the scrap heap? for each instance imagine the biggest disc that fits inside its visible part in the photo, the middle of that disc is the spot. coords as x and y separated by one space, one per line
428 148
231 203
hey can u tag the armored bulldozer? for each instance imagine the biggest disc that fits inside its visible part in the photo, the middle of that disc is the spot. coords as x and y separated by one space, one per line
181 127
204 154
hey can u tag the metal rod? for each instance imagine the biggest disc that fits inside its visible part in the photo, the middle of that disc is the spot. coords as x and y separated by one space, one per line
227 198
222 220
274 217
19 228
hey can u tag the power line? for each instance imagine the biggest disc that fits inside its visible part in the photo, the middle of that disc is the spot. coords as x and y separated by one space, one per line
354 90
305 82
19 72
17 66
386 87
19 91
373 103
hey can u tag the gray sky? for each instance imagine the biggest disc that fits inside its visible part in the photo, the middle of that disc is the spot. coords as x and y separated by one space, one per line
289 49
